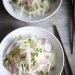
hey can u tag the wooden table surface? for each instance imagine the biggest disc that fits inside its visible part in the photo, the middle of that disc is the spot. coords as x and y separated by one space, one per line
61 19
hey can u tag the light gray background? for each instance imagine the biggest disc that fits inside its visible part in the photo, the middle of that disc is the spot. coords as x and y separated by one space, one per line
61 19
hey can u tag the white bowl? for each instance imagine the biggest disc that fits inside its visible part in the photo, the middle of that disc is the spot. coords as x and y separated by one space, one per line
16 15
40 32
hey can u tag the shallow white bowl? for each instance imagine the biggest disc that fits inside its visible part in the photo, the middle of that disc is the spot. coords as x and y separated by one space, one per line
16 15
40 32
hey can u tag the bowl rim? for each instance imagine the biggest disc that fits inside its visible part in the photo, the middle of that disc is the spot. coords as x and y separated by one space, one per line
35 20
45 31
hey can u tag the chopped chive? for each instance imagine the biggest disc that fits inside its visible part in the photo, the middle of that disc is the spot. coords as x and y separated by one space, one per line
33 54
40 49
41 5
36 54
41 73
